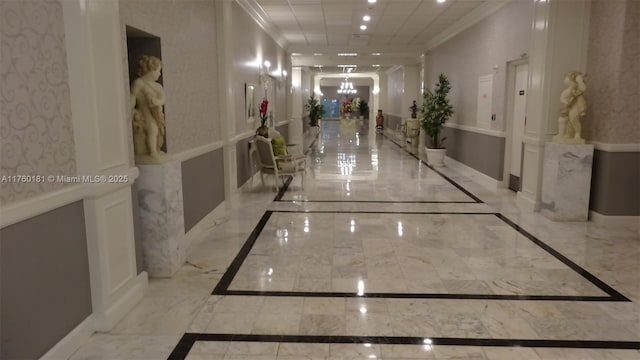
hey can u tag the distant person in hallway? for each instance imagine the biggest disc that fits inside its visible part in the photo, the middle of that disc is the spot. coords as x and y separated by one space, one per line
147 100
574 107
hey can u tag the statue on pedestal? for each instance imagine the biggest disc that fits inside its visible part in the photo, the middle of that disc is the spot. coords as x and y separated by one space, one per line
574 107
147 100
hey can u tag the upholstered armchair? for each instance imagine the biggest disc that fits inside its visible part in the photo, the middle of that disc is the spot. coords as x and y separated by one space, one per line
280 166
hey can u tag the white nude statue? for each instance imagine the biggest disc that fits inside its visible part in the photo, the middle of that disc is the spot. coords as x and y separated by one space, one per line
574 107
147 99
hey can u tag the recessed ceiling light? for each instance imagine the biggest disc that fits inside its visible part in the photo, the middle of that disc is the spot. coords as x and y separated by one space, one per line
375 54
317 54
441 1
363 27
366 18
375 65
295 54
372 1
347 54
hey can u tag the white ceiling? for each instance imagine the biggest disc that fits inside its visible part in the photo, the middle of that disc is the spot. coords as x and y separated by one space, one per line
399 31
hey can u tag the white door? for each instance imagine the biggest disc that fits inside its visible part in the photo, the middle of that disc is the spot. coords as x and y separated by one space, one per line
519 117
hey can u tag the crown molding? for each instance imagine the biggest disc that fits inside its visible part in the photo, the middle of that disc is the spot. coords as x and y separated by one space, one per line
260 16
610 147
474 17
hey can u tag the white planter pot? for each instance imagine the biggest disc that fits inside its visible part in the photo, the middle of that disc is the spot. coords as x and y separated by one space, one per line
435 157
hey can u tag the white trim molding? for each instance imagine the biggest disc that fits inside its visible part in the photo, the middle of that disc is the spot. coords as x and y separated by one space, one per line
241 136
475 129
260 16
609 147
200 150
26 209
632 222
72 341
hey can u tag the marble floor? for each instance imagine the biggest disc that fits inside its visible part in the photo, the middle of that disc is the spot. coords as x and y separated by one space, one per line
379 256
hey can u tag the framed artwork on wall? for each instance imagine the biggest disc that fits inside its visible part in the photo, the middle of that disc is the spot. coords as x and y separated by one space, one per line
249 102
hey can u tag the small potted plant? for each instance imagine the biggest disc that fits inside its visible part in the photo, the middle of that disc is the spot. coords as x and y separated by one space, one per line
316 111
263 130
436 110
363 107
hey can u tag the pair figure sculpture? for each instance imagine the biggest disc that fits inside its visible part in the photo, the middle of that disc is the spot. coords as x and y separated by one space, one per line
574 107
147 100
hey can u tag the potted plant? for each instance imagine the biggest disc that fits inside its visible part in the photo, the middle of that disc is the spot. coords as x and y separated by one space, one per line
363 107
263 130
436 110
316 111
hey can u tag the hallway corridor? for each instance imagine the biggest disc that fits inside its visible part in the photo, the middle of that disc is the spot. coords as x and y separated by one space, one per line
379 256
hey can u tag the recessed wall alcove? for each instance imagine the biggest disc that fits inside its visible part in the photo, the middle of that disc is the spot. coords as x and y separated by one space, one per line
140 43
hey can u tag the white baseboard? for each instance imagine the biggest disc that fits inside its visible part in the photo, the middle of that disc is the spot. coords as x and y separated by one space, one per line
109 318
72 342
632 222
482 179
525 202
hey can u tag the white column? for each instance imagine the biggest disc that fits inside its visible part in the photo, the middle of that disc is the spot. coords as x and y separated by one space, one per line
297 109
224 45
100 120
559 44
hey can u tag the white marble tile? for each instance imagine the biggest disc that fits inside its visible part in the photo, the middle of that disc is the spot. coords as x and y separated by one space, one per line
108 347
160 316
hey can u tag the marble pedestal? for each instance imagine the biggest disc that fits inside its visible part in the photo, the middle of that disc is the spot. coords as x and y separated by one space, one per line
566 181
162 217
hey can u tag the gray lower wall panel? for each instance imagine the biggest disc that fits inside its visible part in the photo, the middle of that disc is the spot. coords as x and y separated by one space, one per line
243 168
391 122
484 153
202 186
44 281
615 189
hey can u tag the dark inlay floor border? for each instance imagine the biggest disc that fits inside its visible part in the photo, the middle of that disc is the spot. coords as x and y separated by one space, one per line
222 288
187 341
467 192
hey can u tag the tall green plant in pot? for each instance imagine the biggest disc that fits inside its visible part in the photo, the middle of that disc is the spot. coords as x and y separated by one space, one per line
436 110
316 111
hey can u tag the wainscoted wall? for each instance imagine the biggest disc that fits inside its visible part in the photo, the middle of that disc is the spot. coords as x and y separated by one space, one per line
614 183
391 122
242 161
202 186
482 152
612 65
504 36
35 107
44 281
251 42
191 88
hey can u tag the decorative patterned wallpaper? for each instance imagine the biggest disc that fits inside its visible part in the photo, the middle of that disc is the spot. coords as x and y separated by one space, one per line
188 39
502 37
613 92
36 132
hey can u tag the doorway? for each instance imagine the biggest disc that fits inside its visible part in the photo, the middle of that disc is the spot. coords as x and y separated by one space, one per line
517 111
331 108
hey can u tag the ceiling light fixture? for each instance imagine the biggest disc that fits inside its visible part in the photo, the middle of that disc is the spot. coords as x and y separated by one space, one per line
372 1
363 27
375 54
347 54
441 1
366 18
346 87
